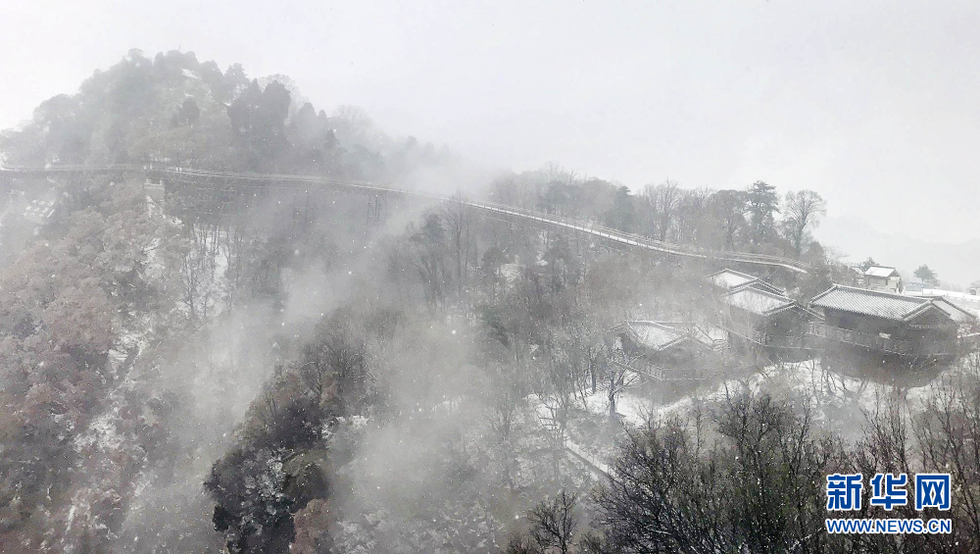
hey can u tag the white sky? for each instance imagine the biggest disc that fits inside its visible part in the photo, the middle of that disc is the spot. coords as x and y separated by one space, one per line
873 104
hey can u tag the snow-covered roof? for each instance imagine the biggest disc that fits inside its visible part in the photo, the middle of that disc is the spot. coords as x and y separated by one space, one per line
880 271
758 301
898 307
951 294
710 336
957 313
653 335
657 336
763 286
731 280
962 300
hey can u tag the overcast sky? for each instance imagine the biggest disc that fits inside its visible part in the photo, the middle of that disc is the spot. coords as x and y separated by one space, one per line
876 105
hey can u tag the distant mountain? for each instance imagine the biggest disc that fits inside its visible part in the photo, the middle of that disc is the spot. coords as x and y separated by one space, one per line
956 264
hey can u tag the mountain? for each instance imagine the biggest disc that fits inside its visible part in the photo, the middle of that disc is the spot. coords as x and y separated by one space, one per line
956 264
177 109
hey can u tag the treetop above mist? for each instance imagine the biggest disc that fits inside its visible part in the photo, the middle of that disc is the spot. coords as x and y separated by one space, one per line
177 109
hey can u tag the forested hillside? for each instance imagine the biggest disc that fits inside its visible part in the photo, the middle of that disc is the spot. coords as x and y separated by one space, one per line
175 109
300 370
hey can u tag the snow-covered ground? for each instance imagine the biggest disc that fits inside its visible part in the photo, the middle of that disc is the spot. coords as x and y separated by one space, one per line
631 405
829 393
594 458
836 401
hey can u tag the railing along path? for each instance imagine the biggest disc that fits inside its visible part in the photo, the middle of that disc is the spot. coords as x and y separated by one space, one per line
589 228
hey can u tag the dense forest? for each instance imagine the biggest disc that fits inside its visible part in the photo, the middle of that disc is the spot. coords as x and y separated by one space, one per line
287 370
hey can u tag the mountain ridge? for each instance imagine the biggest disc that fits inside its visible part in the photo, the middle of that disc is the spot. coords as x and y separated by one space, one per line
956 263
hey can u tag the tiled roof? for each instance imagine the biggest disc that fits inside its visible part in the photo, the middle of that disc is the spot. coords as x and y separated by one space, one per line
761 285
654 336
731 280
657 336
955 312
757 301
880 271
964 301
709 336
871 302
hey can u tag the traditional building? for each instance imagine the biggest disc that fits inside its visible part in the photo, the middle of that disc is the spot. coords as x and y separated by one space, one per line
856 276
909 327
761 318
883 278
728 280
965 301
664 351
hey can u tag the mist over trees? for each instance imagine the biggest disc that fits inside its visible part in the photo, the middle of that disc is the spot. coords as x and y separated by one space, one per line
227 367
175 109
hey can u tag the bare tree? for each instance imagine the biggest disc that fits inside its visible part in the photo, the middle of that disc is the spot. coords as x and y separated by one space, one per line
594 351
556 173
334 366
352 123
504 397
354 117
691 212
664 498
757 487
802 210
664 200
457 216
668 198
948 434
553 523
559 394
728 211
618 376
429 244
